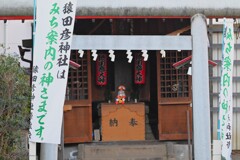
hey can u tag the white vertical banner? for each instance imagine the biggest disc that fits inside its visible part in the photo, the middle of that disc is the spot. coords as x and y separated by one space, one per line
225 108
53 38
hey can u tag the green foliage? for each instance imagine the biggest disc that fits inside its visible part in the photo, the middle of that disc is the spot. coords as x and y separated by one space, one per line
14 108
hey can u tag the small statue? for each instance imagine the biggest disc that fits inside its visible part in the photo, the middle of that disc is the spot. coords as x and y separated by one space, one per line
121 95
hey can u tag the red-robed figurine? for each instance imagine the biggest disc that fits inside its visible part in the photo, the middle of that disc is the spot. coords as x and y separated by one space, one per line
121 95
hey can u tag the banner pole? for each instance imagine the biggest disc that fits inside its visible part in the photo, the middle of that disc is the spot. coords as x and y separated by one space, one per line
33 145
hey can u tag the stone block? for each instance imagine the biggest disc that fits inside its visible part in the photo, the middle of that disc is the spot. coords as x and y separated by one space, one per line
181 151
120 151
170 150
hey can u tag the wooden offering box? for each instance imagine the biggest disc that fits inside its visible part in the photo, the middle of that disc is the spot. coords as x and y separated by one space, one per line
123 122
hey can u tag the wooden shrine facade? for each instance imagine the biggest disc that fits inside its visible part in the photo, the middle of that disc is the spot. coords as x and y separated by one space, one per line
167 91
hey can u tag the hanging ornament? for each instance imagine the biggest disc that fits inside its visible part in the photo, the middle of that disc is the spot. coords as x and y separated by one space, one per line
101 70
145 55
139 69
94 54
129 56
81 53
111 55
163 53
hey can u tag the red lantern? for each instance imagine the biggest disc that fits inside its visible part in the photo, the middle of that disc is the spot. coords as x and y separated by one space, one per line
139 69
101 70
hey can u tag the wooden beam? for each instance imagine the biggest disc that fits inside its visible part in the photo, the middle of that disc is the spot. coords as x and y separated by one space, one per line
67 108
130 42
179 31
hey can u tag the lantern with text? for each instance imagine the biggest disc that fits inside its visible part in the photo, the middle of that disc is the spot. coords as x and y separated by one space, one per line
139 69
101 70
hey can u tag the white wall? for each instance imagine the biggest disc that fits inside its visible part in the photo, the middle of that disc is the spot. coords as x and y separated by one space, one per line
12 33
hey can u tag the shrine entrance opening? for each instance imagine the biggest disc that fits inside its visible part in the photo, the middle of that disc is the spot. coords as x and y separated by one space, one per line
166 91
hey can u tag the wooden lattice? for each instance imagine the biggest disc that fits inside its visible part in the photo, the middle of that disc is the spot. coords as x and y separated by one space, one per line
77 85
174 83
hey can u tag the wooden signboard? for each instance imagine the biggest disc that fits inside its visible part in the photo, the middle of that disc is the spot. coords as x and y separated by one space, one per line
123 122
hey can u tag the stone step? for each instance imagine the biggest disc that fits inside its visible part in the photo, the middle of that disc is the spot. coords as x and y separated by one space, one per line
153 158
122 151
133 150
